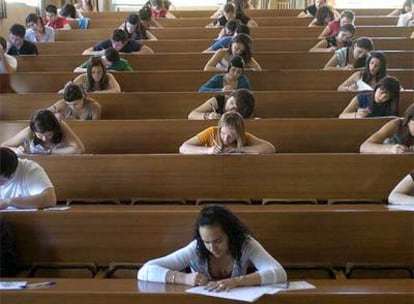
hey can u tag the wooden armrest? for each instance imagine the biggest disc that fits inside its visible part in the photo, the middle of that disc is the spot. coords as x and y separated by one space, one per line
355 201
114 268
55 269
378 270
310 271
156 201
306 201
244 201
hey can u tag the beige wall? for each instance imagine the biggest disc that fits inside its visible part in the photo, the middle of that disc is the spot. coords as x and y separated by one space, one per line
16 13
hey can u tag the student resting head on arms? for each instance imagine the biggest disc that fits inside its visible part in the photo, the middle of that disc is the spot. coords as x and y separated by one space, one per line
232 80
96 79
228 137
383 101
76 105
23 183
375 69
331 44
351 57
396 136
403 193
241 101
112 61
45 135
218 256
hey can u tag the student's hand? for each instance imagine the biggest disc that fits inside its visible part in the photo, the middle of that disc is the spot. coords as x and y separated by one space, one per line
59 116
332 49
213 115
196 279
20 150
4 203
398 149
411 148
349 67
216 149
222 285
362 112
228 88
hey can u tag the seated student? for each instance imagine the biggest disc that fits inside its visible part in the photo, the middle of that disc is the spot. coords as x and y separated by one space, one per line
37 31
241 15
18 45
69 12
8 64
55 21
241 101
217 14
229 13
407 19
219 255
160 8
403 193
331 44
396 136
96 79
224 41
145 14
324 16
76 105
375 69
121 43
86 6
111 60
333 27
225 36
406 7
240 45
23 183
232 79
45 135
351 57
228 137
135 29
310 11
383 101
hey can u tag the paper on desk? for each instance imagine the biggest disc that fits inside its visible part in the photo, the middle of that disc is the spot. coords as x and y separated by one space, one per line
401 207
246 294
297 285
10 285
13 209
363 86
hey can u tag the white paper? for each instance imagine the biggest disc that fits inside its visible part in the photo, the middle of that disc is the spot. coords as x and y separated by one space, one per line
297 285
14 209
401 207
363 86
10 285
246 294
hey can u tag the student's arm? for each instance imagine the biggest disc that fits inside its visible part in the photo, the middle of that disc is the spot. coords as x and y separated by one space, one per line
214 84
150 35
254 65
325 33
16 143
257 145
80 70
90 51
374 144
331 64
205 111
321 46
252 23
313 23
216 58
59 109
71 142
304 14
352 110
96 110
394 13
350 83
194 146
218 13
144 50
42 200
155 24
403 193
113 86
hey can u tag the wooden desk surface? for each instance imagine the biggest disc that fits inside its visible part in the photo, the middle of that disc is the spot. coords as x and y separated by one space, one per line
130 291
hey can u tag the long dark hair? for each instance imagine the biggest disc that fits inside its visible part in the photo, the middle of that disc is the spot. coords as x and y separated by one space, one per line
404 134
216 215
247 43
45 121
322 13
103 82
382 72
390 107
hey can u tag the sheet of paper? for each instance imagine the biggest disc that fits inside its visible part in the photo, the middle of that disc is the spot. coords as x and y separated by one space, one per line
363 86
14 209
401 207
246 294
10 285
297 285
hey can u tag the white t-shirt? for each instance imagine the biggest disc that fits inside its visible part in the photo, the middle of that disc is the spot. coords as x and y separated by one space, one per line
49 35
12 62
29 179
406 19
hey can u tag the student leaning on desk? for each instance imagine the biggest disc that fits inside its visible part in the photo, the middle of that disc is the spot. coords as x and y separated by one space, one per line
218 256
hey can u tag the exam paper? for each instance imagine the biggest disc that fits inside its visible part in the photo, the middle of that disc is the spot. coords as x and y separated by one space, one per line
11 285
401 207
246 294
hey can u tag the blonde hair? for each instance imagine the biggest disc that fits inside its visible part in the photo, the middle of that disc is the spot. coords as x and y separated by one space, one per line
234 121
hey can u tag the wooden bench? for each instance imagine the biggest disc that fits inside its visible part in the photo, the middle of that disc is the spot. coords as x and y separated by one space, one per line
198 45
129 292
166 136
282 176
186 81
292 234
196 61
211 33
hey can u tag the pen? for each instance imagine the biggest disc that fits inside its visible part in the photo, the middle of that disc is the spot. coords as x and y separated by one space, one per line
40 284
287 285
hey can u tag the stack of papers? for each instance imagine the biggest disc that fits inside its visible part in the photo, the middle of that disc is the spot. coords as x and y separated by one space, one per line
251 293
